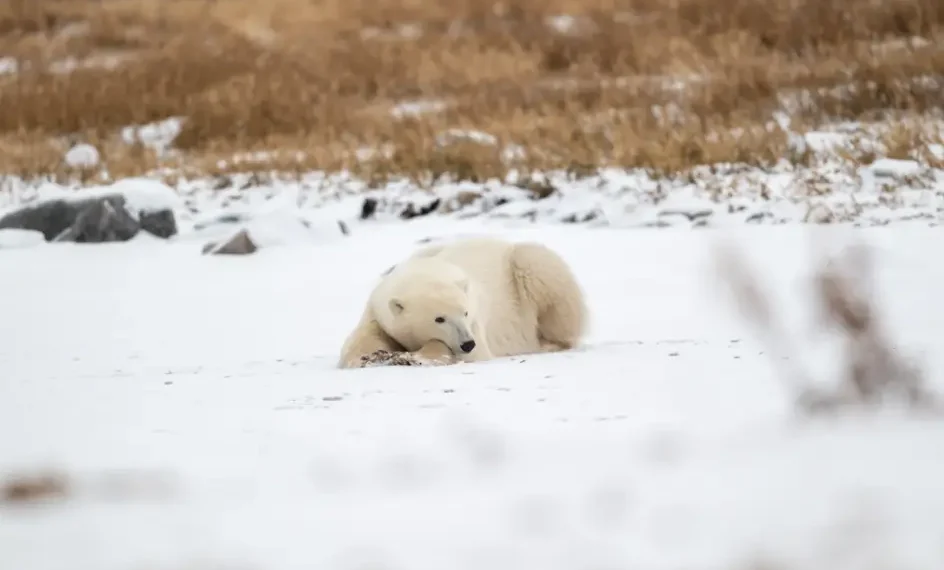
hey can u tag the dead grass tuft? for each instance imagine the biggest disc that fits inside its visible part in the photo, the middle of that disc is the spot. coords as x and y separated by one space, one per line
572 85
39 487
873 372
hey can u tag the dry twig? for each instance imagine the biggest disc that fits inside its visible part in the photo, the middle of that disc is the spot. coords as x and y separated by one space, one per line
873 371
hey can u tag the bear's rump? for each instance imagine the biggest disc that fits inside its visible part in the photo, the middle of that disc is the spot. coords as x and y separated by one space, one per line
510 328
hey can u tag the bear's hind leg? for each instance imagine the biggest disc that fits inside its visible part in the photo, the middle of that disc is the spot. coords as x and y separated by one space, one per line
543 278
549 346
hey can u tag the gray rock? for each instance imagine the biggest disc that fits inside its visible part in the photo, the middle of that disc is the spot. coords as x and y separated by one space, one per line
819 214
101 221
161 223
50 218
238 244
92 220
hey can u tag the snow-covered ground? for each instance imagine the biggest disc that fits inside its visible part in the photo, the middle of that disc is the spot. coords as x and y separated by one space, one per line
207 385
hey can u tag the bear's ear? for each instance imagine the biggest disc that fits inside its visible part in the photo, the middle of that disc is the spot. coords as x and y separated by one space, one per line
464 285
396 307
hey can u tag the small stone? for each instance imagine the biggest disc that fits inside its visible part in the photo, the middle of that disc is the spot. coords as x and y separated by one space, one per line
413 211
692 214
466 197
758 217
222 182
238 244
369 208
819 214
160 223
540 190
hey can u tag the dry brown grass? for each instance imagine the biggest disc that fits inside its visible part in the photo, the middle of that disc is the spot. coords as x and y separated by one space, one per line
321 77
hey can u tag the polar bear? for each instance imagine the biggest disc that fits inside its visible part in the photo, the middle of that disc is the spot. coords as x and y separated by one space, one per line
470 300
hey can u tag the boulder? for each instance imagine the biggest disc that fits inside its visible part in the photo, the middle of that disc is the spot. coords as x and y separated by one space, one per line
239 243
97 219
160 223
101 221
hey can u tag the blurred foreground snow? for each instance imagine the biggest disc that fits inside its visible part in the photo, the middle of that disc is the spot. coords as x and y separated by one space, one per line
192 404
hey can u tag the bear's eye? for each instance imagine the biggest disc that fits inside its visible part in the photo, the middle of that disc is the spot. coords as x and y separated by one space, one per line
467 313
440 320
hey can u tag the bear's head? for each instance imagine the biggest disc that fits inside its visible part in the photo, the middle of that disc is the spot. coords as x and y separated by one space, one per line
437 310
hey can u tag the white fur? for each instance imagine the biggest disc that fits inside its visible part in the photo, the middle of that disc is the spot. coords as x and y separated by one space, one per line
510 298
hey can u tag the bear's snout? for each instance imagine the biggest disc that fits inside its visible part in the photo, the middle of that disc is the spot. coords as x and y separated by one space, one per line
467 346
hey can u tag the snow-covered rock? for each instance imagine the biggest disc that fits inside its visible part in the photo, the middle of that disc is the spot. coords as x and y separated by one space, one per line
145 194
99 213
83 156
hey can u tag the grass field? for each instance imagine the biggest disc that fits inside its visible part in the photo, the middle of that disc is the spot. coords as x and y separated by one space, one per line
556 84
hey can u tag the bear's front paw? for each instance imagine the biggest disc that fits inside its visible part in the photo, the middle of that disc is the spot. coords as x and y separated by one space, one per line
387 358
435 353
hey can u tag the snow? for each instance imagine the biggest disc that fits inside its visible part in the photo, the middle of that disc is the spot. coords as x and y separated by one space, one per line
418 107
453 135
96 61
400 31
10 237
207 384
159 135
285 227
274 221
890 167
8 65
82 155
141 194
561 23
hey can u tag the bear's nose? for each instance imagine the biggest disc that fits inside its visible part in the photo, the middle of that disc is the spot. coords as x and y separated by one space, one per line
467 346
